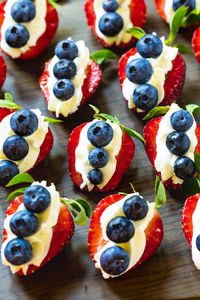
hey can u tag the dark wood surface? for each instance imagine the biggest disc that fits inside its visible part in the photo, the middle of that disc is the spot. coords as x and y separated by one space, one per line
170 273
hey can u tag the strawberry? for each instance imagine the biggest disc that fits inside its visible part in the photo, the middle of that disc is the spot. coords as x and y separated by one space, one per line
153 231
137 15
3 70
45 39
196 44
160 6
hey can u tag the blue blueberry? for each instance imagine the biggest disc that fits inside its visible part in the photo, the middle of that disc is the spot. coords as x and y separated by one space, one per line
15 147
110 5
65 68
95 176
8 170
181 120
23 11
188 3
139 70
24 122
18 252
36 198
23 223
100 134
178 143
66 49
17 36
114 260
64 89
110 24
120 230
198 242
184 167
149 46
98 158
135 208
145 96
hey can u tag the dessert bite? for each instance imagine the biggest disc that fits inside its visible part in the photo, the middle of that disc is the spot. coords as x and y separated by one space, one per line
196 44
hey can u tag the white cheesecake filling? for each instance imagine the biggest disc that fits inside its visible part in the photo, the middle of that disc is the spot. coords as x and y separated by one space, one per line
124 12
69 106
34 141
36 27
136 246
82 164
41 240
165 160
196 232
160 65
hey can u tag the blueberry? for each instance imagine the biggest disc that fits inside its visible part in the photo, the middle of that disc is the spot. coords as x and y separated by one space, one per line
114 260
36 198
145 96
24 122
100 134
110 24
139 70
64 89
23 223
23 11
95 176
15 147
8 170
98 157
18 252
110 5
188 3
178 143
120 230
17 36
184 167
149 46
66 49
64 68
181 120
198 242
135 208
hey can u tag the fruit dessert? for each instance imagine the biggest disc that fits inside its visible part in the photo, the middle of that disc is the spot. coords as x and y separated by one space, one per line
100 152
196 44
27 27
125 230
25 140
70 78
37 226
151 74
3 70
110 20
171 143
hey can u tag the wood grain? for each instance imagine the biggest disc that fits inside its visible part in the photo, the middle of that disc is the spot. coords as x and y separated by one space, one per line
170 273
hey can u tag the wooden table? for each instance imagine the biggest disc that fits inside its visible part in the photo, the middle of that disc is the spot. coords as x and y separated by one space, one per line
170 273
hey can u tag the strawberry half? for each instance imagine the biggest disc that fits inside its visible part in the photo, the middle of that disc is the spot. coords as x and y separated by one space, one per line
45 39
153 231
196 44
160 5
137 16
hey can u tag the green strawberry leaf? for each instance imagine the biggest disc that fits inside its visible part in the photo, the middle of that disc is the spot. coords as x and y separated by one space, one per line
197 163
52 120
102 55
54 3
192 18
191 186
20 178
16 193
9 97
193 109
156 112
160 192
8 102
176 23
136 32
133 133
86 206
183 49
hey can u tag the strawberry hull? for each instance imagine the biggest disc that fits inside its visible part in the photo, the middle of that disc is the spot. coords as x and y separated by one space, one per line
153 232
137 13
124 159
62 233
45 39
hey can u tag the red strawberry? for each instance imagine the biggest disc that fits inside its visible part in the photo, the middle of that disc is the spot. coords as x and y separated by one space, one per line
160 5
150 133
62 233
137 13
124 158
196 44
46 38
174 79
153 232
3 70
